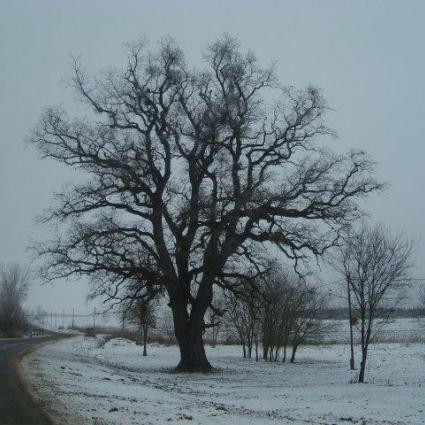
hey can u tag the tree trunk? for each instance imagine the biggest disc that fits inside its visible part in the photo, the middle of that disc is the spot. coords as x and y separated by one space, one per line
188 333
363 366
350 318
365 334
294 350
192 352
145 340
271 350
265 352
244 349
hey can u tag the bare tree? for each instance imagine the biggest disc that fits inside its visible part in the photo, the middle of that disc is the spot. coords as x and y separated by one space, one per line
196 170
291 311
141 312
304 317
275 318
239 314
136 297
375 266
14 281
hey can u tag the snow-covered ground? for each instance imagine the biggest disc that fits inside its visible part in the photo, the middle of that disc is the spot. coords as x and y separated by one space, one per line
114 384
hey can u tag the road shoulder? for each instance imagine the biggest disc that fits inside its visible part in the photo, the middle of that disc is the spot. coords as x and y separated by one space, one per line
54 409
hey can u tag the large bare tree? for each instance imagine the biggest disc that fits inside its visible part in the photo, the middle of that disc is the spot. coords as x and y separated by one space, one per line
197 170
375 267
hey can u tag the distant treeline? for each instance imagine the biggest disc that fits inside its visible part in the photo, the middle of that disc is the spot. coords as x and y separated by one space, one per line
342 313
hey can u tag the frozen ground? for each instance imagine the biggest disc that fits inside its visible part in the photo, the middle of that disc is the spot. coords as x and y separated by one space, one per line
114 384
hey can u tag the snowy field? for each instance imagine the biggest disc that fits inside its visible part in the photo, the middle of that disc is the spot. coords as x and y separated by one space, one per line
114 384
397 330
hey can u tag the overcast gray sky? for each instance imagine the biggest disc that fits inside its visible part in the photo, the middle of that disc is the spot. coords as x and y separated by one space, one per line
367 56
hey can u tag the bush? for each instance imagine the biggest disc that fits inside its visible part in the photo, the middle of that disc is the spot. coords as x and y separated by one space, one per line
90 332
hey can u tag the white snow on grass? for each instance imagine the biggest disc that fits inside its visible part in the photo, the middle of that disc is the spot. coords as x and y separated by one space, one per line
114 384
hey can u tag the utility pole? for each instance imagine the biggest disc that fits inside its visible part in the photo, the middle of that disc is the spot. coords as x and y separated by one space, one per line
63 318
94 317
73 316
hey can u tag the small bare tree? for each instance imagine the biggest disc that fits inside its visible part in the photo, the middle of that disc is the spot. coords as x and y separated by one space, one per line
274 317
136 300
141 312
14 281
375 267
239 315
291 315
305 323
